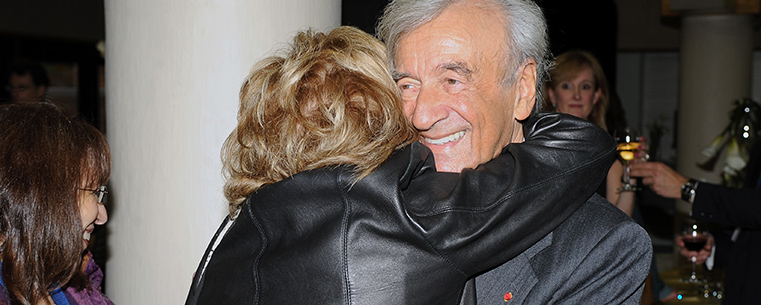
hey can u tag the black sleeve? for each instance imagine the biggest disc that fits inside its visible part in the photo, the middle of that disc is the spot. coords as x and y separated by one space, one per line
728 206
486 216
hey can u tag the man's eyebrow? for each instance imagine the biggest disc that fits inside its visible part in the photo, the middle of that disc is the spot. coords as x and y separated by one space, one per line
399 75
458 67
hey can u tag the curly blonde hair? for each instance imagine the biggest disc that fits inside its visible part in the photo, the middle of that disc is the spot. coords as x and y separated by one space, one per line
329 100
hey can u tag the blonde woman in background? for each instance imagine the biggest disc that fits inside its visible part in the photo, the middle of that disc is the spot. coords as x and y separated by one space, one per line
578 86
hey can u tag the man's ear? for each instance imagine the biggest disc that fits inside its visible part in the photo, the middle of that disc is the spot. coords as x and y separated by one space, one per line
526 82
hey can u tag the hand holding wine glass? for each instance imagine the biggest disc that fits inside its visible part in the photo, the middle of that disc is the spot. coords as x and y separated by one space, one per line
694 238
701 255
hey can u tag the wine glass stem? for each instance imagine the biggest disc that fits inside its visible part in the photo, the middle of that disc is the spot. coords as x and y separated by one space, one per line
693 276
625 178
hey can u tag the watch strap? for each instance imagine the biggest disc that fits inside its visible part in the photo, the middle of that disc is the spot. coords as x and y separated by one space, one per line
688 190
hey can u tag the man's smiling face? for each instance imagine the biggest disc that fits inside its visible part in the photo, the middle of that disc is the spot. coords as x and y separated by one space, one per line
450 72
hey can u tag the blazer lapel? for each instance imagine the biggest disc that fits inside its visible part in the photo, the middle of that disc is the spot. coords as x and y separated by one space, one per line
512 281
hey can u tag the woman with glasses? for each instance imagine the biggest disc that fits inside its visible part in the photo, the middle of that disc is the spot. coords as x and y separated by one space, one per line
52 171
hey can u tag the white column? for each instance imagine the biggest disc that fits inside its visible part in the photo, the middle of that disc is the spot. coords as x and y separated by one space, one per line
173 70
715 69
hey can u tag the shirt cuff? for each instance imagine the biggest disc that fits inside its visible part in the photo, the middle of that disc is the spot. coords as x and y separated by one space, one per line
709 260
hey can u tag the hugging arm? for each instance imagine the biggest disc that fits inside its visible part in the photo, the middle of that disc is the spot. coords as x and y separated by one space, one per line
483 217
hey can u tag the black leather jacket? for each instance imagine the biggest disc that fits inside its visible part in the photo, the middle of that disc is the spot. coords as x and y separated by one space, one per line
404 234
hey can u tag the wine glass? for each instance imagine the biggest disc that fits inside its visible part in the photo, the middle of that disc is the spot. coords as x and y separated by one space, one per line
628 145
695 237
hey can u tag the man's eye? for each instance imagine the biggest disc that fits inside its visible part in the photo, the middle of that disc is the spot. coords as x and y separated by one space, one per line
452 81
405 86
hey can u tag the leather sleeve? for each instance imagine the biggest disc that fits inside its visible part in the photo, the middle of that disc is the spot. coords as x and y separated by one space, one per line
483 217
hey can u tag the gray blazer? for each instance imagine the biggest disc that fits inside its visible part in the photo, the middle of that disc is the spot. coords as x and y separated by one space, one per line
599 255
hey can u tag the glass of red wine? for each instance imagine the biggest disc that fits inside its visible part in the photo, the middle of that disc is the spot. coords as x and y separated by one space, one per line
695 237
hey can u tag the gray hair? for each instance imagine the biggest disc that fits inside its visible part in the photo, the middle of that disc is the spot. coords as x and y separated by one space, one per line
526 29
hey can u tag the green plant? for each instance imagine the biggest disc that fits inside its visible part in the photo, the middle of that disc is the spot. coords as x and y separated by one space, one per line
737 137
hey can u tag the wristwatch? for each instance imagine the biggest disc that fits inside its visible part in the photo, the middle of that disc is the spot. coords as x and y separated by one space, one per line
688 190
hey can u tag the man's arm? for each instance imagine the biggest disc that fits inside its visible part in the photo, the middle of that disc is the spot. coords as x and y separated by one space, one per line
729 206
483 217
597 256
712 203
660 178
613 272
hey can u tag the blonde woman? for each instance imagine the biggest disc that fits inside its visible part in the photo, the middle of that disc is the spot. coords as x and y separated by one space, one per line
578 86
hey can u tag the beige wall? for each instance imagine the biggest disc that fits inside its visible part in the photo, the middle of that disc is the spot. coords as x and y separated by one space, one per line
174 68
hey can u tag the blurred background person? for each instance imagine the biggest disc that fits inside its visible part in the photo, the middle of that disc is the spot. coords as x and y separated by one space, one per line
578 86
53 168
27 82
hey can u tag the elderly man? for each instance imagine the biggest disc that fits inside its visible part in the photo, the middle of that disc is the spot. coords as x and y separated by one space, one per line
470 72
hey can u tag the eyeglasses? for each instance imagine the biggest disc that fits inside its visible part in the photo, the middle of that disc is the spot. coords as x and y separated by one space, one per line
100 192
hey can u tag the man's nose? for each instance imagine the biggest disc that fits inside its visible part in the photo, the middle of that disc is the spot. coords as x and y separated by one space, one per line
429 108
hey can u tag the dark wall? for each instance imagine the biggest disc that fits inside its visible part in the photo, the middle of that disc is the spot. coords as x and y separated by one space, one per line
49 50
362 13
80 20
590 25
52 31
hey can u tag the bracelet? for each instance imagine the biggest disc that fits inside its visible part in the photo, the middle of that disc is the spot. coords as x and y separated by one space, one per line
688 190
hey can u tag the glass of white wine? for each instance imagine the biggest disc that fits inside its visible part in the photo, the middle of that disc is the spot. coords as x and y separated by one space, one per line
628 143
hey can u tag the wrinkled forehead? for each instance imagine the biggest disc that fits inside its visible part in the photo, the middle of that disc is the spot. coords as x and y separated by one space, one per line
455 37
454 18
